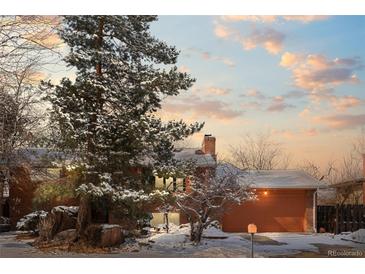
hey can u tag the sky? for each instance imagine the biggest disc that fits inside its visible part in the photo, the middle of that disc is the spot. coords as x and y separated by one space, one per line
297 78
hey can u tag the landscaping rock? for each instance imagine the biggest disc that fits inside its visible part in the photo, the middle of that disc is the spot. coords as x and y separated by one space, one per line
60 218
30 221
66 236
4 227
104 235
64 217
4 221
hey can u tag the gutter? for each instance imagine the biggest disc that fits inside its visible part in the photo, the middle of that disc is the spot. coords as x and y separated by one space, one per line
315 211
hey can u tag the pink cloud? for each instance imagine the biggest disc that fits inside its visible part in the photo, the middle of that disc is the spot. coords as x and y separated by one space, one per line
274 18
317 72
278 104
268 38
342 121
209 108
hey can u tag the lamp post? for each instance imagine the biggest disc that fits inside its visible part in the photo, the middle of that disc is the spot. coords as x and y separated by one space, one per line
252 229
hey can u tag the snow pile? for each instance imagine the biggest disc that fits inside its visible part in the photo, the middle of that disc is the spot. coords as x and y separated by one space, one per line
357 236
30 221
214 232
69 210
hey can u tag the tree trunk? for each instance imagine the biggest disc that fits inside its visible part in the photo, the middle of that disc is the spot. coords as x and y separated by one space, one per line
196 232
166 217
83 218
84 215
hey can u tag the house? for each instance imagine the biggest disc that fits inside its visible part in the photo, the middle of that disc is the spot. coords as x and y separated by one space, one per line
33 166
286 202
204 158
351 191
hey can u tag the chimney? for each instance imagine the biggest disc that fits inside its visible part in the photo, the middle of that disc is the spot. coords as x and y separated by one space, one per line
208 146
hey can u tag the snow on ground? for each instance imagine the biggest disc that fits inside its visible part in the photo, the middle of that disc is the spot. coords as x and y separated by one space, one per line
357 236
216 243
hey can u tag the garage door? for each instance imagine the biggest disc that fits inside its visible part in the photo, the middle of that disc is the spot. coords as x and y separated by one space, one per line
274 211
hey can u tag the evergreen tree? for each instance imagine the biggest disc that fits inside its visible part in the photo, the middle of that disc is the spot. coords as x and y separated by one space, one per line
108 113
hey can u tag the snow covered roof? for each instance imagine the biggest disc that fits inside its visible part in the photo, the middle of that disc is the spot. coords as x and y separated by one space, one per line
272 179
201 160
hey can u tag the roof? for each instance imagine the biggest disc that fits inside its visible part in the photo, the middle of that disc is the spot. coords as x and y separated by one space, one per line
273 179
354 182
43 157
201 160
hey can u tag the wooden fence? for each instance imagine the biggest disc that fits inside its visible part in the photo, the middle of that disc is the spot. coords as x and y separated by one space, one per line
337 219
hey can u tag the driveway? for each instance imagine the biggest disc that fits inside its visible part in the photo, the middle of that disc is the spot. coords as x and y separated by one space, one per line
177 245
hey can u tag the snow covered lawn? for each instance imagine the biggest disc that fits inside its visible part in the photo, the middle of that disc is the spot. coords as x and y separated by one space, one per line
216 243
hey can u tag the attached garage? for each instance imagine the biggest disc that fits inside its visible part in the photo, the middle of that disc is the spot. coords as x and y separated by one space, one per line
286 202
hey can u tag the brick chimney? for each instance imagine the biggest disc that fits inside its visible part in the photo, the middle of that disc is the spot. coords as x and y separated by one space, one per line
208 145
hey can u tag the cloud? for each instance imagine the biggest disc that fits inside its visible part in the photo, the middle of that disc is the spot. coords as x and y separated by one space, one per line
218 91
278 104
183 69
310 132
304 113
273 18
207 56
305 18
342 121
345 102
289 59
295 94
317 72
209 108
222 31
268 38
250 18
254 93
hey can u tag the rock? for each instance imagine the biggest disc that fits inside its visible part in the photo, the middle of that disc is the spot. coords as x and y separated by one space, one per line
4 220
60 218
104 235
30 221
4 227
66 236
64 217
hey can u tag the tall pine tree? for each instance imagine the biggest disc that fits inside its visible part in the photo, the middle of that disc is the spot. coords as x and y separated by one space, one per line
109 111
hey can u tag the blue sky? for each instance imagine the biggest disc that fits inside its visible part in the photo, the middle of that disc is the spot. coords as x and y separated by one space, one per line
298 77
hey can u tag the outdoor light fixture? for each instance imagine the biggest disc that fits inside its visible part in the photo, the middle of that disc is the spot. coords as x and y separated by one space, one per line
252 229
265 193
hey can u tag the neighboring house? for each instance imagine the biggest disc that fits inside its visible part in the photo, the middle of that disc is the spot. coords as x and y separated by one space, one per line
346 192
35 166
286 202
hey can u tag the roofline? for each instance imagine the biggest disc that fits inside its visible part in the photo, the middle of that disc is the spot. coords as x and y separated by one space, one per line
349 182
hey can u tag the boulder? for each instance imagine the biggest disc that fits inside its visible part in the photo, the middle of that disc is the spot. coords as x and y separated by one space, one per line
60 218
66 236
4 220
30 221
104 235
64 218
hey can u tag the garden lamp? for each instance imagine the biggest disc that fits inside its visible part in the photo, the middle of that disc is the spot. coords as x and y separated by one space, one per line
252 229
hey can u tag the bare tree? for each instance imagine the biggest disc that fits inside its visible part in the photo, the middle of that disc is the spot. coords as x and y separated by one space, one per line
259 152
208 196
27 44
